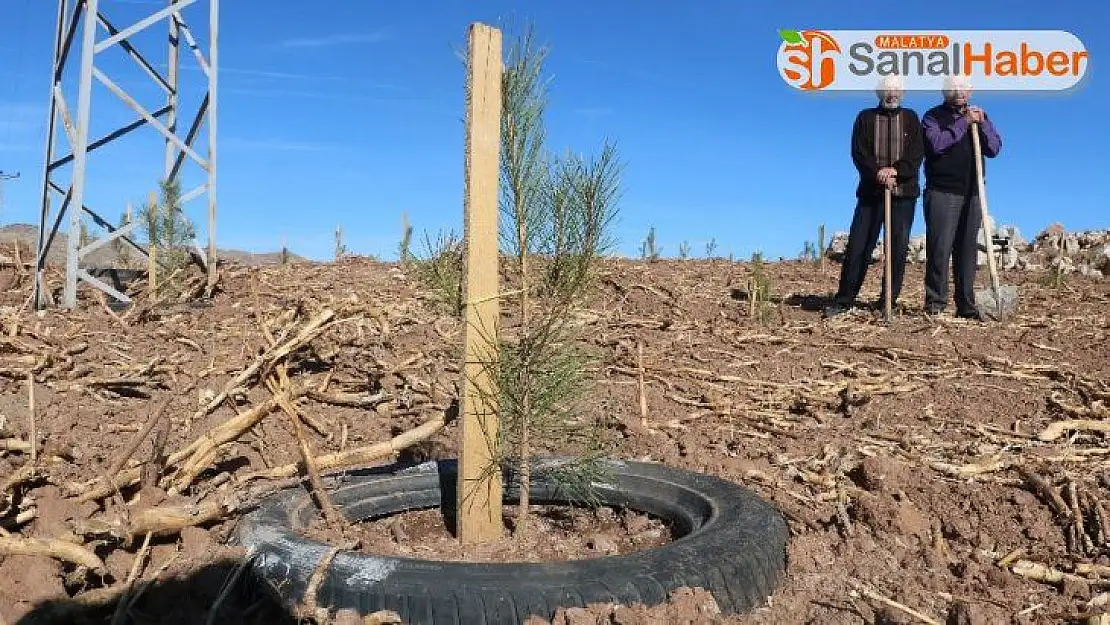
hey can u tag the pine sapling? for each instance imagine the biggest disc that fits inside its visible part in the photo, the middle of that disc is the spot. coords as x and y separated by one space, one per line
523 134
759 290
168 231
821 246
150 215
340 248
403 248
554 229
440 270
119 246
808 252
649 249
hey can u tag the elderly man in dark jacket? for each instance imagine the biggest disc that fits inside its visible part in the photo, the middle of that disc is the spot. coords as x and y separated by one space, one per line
952 212
887 151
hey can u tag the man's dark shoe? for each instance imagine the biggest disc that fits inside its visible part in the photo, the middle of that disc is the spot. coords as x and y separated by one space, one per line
836 309
972 314
879 306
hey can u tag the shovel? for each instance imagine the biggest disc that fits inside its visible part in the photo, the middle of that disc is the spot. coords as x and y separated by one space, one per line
999 301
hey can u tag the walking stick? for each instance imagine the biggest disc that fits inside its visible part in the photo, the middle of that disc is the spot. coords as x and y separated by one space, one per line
888 273
888 260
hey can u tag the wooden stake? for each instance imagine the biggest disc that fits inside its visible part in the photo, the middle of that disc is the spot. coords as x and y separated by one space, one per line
479 487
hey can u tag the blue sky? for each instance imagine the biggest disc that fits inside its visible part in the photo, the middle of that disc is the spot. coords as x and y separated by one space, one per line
350 112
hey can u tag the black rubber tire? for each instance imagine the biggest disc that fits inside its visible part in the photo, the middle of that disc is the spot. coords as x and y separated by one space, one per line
729 542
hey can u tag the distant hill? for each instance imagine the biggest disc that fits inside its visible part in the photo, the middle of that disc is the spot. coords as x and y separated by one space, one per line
107 256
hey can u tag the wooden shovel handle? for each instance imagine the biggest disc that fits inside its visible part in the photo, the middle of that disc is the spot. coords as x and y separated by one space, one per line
987 234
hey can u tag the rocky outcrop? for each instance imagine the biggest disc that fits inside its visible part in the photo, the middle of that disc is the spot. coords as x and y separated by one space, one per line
1086 253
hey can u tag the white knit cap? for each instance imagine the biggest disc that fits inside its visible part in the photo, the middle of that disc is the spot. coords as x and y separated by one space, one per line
951 83
891 82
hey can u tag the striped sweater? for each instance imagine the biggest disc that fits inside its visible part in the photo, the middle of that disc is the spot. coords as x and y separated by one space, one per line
888 138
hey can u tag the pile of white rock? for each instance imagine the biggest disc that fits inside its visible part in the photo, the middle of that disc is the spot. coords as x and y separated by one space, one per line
1086 253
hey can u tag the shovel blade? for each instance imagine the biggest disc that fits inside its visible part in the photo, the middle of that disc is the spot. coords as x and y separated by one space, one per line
988 304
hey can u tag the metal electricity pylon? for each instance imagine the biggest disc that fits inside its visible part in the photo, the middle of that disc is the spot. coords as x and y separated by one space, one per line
85 31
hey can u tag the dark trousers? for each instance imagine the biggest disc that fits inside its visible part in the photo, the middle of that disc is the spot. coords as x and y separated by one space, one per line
952 229
863 236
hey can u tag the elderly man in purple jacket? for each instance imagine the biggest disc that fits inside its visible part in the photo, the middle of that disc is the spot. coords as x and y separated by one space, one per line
951 202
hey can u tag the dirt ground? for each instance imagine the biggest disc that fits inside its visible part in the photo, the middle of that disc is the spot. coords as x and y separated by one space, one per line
555 533
920 465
